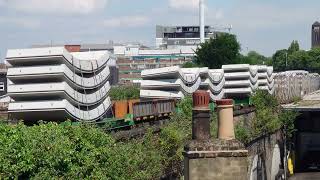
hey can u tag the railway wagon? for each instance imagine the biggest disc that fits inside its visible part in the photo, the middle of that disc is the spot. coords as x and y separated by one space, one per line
139 112
135 112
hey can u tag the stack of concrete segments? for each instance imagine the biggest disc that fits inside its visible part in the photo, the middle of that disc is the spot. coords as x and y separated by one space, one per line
214 82
266 78
290 85
171 82
53 84
314 81
240 80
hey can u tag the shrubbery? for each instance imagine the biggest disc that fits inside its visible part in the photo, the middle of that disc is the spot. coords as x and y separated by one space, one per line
124 93
52 151
269 117
66 151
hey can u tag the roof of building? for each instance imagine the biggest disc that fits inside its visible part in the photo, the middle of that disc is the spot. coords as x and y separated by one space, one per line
97 46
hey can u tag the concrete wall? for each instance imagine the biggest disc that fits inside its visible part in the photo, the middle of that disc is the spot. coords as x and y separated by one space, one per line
265 157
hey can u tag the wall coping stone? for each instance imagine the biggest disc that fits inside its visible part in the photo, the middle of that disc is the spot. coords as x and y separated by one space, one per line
215 148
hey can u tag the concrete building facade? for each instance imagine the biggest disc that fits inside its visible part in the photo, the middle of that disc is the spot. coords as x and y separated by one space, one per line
181 37
315 35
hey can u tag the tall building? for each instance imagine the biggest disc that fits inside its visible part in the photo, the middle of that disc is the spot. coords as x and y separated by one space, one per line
315 35
180 37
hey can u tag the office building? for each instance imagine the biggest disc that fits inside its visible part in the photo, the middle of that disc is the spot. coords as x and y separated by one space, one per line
181 37
315 39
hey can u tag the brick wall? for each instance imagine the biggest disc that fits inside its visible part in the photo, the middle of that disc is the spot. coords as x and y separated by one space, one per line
219 168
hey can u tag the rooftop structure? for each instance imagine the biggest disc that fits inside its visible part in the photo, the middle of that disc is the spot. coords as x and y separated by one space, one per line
181 37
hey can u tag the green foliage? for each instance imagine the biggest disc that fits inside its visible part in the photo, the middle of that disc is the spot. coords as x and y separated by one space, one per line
214 125
295 59
266 120
287 119
253 58
185 107
52 151
279 60
269 117
242 132
124 93
214 53
262 100
294 46
190 65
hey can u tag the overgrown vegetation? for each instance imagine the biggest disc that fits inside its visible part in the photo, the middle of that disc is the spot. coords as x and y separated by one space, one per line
52 151
124 92
269 117
66 151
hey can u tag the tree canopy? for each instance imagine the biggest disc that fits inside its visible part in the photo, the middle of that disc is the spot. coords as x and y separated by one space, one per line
214 53
225 49
294 46
294 58
253 58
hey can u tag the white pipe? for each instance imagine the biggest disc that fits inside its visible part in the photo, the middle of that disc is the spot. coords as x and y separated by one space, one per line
201 7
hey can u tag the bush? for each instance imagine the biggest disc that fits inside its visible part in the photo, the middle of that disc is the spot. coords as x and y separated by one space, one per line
242 132
52 151
269 117
124 93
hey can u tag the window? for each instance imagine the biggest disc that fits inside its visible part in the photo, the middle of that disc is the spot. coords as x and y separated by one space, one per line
2 86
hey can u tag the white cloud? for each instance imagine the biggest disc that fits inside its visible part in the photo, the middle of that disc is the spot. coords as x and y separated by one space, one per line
55 6
184 4
126 21
261 16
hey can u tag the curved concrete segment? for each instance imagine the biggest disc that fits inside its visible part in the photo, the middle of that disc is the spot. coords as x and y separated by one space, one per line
52 110
187 75
156 94
61 72
53 84
215 88
217 96
216 75
240 76
171 84
86 62
62 90
230 81
253 70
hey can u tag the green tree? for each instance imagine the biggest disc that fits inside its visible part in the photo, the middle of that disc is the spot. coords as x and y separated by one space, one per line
299 60
294 46
190 65
253 58
314 63
279 60
214 53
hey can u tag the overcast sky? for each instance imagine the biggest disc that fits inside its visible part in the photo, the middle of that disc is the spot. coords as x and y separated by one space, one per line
261 25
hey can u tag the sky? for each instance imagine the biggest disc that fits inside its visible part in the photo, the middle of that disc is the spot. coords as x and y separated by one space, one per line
261 25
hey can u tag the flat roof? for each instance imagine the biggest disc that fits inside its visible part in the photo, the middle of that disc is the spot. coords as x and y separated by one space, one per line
310 102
